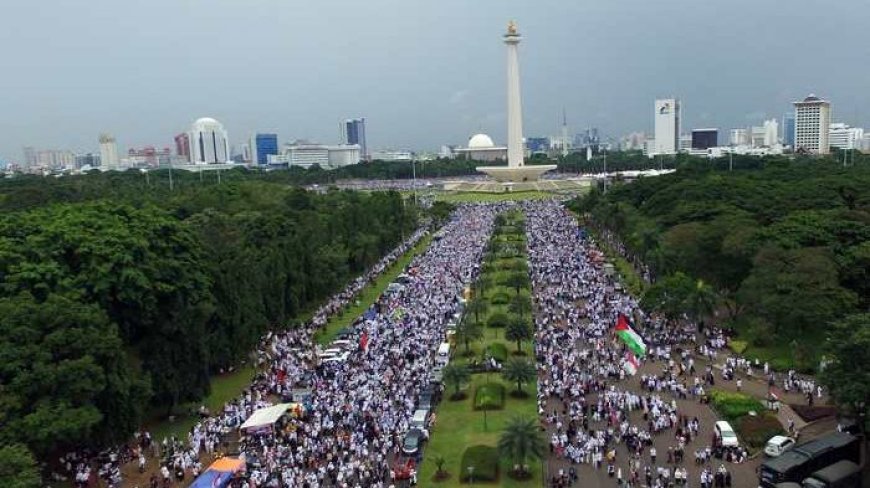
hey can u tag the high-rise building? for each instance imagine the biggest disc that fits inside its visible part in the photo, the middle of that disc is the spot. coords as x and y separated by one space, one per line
54 159
182 146
685 143
705 138
108 153
88 160
771 133
844 137
262 146
30 156
209 143
812 121
538 145
353 131
788 125
667 126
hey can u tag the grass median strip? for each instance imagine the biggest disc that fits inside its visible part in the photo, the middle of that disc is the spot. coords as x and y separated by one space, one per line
370 294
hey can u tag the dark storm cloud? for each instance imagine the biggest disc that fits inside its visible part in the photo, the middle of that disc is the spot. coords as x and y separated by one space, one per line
423 73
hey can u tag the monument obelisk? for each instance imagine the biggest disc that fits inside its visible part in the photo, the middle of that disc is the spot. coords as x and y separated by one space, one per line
516 170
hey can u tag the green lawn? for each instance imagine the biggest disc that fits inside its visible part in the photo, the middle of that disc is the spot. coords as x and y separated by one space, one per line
223 389
458 425
465 197
369 294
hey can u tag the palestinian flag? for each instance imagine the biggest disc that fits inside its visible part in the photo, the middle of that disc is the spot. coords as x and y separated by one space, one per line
631 364
630 337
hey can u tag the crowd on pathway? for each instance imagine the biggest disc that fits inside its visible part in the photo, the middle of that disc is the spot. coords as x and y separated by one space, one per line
595 412
176 457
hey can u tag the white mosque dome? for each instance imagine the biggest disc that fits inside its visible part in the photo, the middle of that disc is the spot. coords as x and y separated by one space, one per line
207 122
480 141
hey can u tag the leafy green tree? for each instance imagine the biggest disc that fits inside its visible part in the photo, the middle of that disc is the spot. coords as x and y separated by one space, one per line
847 357
456 375
519 371
467 332
65 377
702 301
498 320
798 289
18 469
522 441
477 307
520 305
669 296
517 280
518 330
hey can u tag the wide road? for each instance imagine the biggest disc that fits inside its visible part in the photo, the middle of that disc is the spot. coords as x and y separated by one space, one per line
588 404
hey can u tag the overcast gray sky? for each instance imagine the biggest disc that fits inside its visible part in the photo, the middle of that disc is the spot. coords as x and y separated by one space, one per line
423 73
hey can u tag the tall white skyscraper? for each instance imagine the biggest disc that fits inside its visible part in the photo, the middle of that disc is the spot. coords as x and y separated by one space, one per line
667 126
771 133
108 153
209 143
812 121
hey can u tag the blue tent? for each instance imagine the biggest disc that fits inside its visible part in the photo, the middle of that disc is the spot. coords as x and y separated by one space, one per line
219 474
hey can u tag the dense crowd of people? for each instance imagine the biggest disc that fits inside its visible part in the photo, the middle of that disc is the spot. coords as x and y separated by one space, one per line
597 414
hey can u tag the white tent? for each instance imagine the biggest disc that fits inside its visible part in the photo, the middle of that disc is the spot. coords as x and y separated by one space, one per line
266 417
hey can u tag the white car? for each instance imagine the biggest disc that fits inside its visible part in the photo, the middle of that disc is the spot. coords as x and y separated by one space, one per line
727 434
777 445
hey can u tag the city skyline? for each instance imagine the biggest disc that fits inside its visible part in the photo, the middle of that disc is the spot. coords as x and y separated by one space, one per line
575 60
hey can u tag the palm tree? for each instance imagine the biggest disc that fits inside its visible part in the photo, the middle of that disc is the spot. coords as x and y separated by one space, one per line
518 330
456 375
519 370
476 306
520 305
521 441
702 301
469 331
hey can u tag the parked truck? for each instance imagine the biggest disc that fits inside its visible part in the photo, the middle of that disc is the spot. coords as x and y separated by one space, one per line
842 474
799 462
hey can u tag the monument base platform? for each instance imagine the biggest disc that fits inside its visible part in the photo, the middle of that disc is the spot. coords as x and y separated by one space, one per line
516 174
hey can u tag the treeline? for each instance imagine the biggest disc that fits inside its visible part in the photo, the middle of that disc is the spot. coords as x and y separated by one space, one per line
111 305
779 251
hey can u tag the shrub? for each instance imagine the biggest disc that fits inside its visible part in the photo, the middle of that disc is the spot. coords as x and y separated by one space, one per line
499 320
734 405
498 351
485 462
739 347
500 298
808 413
755 430
489 396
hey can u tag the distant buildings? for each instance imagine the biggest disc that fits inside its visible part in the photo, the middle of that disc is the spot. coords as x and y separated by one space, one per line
147 157
392 155
30 157
353 131
705 138
538 145
844 137
263 146
812 122
739 137
182 147
306 154
788 127
667 126
481 148
209 143
87 161
108 153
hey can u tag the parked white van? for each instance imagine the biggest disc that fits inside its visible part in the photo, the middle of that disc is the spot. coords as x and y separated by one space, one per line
727 434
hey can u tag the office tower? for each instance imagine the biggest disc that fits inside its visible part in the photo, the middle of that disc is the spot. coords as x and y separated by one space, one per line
705 138
29 157
667 126
88 160
263 146
353 131
771 133
209 143
108 153
182 146
788 129
844 137
812 121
